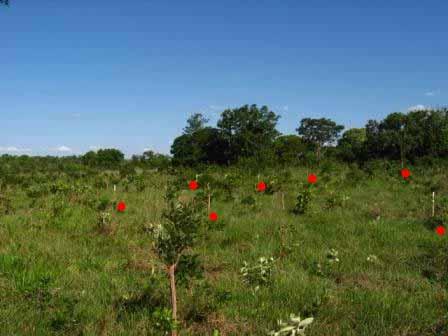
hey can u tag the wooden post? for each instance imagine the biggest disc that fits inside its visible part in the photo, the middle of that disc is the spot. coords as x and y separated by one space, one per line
115 188
283 200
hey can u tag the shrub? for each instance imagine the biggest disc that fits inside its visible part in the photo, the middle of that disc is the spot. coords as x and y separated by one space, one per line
163 322
303 201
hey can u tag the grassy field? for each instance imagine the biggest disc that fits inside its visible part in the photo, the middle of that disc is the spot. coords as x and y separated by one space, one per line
363 260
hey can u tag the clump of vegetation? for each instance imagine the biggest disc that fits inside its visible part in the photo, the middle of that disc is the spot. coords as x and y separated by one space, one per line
6 207
163 321
335 200
293 327
258 274
332 256
302 202
104 220
249 201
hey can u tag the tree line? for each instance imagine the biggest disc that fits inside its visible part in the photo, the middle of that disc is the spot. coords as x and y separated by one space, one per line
249 135
250 132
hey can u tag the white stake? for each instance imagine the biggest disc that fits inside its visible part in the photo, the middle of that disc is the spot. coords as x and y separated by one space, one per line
115 188
433 203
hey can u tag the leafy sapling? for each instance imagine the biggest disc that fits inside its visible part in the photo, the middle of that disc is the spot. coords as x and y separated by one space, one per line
176 235
303 201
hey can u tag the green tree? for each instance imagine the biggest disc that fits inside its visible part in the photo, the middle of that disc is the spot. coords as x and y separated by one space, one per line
351 145
151 159
195 123
408 136
319 132
249 130
205 146
177 234
289 148
105 158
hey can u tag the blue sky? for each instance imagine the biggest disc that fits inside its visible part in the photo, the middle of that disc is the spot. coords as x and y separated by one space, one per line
76 75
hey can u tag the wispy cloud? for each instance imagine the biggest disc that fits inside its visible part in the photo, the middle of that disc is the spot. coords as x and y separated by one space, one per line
432 93
62 149
216 107
419 107
95 148
14 149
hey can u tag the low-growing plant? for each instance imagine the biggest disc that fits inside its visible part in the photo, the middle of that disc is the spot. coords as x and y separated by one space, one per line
140 183
335 200
103 203
6 207
163 321
258 274
104 220
332 256
249 201
293 327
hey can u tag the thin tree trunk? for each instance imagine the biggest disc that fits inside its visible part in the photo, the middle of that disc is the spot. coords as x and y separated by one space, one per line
283 200
171 271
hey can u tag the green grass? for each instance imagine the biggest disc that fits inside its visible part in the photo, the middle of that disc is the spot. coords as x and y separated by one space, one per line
64 276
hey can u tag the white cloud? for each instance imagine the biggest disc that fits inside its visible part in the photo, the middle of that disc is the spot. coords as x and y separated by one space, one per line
63 149
286 108
419 107
94 148
432 93
216 107
13 149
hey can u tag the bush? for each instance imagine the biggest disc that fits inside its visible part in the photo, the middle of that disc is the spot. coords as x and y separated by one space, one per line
303 201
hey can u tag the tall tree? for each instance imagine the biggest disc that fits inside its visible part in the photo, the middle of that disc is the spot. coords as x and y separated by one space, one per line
408 136
104 158
351 145
205 146
289 148
249 130
319 132
195 122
